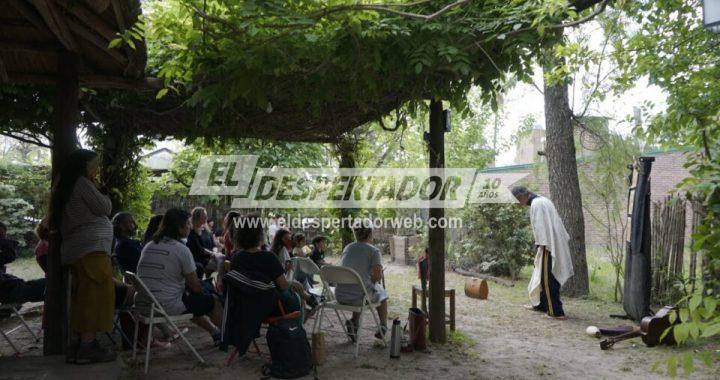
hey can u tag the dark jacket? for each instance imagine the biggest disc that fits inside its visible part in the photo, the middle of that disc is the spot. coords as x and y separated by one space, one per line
250 301
8 253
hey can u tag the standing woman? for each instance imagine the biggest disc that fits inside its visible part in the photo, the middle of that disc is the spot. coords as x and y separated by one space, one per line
81 212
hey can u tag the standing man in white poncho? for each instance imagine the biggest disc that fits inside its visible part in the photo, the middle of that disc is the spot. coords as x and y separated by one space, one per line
553 265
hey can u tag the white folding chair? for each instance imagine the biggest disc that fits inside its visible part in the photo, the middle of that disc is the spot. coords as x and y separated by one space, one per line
14 309
152 313
347 276
307 266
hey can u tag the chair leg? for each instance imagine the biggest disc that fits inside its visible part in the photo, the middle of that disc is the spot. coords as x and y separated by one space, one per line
224 317
182 336
317 323
24 323
148 342
357 334
135 339
7 338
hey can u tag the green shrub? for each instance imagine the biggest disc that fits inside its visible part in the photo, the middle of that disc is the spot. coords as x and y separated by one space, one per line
499 240
15 213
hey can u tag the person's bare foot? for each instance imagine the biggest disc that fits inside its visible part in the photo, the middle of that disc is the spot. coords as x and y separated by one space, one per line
559 318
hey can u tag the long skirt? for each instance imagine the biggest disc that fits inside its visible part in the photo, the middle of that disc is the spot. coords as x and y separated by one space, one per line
92 304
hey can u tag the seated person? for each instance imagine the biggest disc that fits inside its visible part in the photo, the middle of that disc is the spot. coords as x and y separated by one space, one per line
255 263
318 253
299 243
281 247
256 283
127 250
8 248
14 290
168 269
201 243
366 260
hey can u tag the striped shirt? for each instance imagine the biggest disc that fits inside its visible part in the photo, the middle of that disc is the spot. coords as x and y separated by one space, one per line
85 225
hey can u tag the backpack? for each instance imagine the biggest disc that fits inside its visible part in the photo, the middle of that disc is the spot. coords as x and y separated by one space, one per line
289 351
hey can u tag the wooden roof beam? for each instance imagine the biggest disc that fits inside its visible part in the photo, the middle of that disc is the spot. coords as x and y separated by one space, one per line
96 40
118 14
90 18
30 15
90 81
56 22
35 47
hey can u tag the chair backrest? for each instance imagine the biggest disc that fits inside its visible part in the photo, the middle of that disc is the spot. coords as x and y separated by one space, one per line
306 265
337 275
142 289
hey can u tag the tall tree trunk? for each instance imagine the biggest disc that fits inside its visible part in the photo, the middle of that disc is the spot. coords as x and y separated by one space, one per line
64 142
563 175
436 236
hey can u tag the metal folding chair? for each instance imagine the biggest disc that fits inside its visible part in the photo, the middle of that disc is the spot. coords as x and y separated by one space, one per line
14 309
346 276
152 313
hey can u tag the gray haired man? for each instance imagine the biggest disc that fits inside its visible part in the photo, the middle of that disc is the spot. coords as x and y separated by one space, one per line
553 265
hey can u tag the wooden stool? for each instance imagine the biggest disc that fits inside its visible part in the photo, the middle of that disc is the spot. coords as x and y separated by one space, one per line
449 293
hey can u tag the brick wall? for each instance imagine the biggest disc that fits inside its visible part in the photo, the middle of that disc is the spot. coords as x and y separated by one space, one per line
667 172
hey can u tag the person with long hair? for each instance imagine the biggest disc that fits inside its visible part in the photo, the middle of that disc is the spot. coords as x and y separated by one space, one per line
151 229
79 211
227 244
281 247
202 242
229 229
168 269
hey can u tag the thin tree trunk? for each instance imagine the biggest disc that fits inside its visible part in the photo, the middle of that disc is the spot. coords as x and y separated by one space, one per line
563 176
64 141
436 236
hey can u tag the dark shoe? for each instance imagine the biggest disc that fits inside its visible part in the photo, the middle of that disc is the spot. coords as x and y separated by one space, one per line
216 339
381 332
351 330
94 353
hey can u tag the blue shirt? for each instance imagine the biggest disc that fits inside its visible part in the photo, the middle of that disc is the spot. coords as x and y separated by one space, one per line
127 252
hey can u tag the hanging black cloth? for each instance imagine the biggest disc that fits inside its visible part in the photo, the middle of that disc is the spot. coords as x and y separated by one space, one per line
636 300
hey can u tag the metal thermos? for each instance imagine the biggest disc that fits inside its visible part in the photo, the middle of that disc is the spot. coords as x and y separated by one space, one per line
395 338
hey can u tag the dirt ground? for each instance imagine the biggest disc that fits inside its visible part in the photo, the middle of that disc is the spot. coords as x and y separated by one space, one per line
495 339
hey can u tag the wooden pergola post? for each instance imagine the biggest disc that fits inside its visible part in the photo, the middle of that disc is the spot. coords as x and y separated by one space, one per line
436 236
63 128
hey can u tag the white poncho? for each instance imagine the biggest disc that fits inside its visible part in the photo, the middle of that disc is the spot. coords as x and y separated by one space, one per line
550 232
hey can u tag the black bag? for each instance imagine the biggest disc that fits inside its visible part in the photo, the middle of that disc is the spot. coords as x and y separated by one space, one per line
289 351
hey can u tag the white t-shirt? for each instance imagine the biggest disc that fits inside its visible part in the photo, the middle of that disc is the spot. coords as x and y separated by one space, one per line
361 257
162 267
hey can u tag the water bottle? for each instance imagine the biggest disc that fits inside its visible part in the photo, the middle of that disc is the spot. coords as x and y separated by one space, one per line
395 338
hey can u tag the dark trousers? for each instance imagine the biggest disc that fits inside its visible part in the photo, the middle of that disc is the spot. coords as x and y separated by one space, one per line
27 291
549 289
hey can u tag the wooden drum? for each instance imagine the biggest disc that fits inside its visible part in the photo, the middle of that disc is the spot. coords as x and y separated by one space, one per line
476 288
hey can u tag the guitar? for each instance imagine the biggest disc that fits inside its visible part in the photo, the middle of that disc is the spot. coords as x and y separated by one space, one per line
651 330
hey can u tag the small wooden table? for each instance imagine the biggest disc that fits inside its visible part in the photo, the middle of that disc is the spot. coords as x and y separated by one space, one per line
449 293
